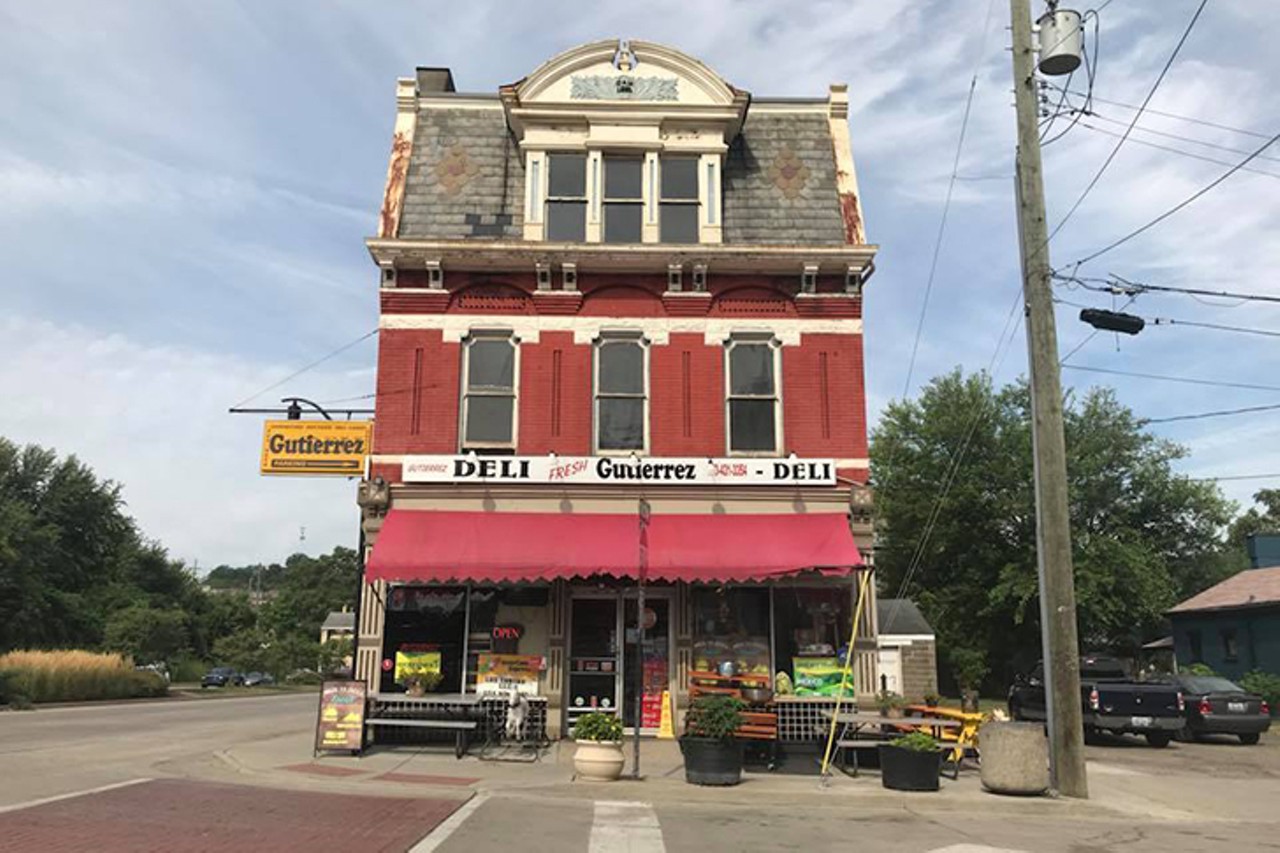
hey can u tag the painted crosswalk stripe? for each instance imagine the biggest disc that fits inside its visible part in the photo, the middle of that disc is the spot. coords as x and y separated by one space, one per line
625 827
102 789
441 833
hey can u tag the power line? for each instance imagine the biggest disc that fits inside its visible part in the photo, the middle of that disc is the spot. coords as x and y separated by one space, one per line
1218 414
1114 151
1181 138
1238 477
1105 285
946 205
1164 321
303 370
1184 153
1132 286
1171 211
1183 379
1175 116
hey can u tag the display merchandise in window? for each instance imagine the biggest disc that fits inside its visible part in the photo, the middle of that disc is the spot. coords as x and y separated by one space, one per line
731 627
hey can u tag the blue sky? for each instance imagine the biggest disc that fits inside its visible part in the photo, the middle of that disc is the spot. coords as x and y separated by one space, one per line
185 188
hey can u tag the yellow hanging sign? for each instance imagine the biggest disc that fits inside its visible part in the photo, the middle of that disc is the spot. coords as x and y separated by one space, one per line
316 447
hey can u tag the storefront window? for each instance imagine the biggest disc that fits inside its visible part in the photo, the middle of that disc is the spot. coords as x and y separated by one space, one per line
424 630
505 621
731 625
811 631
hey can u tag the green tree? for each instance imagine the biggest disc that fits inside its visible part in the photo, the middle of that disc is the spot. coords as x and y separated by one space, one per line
147 634
1142 535
309 589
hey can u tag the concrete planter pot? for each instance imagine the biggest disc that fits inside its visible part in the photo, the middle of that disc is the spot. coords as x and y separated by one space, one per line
711 761
1015 758
598 760
909 769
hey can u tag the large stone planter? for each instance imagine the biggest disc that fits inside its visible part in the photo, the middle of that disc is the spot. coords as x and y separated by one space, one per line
598 761
1015 758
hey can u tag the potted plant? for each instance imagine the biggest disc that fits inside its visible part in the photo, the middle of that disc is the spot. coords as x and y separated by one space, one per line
711 755
599 755
889 703
912 762
969 666
421 683
932 700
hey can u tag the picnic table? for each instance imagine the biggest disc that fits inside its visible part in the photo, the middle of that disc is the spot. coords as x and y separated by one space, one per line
455 712
856 730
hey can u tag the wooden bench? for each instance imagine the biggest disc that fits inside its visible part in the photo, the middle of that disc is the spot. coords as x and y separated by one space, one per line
462 728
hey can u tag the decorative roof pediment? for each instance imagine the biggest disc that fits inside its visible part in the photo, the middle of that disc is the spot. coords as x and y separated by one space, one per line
616 76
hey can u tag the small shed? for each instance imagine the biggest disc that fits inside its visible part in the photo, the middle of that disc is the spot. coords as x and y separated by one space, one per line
906 649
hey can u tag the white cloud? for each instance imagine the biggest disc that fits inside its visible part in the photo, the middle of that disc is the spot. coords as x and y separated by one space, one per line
154 419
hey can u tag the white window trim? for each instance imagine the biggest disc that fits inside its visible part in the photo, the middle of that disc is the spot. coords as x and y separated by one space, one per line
590 213
607 337
775 347
464 391
710 201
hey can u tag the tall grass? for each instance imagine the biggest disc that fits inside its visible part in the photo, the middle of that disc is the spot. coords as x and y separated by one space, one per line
74 676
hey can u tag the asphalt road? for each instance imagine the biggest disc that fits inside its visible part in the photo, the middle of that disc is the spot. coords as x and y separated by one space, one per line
53 751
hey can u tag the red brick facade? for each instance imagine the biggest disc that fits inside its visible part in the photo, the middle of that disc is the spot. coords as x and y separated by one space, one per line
419 370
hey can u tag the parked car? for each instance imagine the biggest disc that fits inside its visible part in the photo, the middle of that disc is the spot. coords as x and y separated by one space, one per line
221 676
1111 702
159 669
259 679
1216 705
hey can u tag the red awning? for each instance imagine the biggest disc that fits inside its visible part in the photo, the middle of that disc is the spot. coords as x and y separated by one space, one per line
497 547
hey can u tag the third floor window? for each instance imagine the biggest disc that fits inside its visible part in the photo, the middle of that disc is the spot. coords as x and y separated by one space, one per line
625 197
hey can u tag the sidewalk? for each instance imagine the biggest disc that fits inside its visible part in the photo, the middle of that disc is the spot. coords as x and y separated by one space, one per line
287 761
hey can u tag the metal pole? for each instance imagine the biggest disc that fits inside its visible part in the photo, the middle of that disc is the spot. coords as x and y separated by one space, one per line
1053 530
644 570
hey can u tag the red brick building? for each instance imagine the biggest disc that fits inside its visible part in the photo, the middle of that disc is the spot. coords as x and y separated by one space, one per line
618 287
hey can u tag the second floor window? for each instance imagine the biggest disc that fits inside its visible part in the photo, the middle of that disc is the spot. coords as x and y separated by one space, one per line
488 393
567 197
753 396
620 395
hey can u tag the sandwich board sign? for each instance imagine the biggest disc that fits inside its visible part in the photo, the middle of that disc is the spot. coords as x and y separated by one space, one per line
340 719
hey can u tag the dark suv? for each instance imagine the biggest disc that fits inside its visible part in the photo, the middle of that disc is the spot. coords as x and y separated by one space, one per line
222 676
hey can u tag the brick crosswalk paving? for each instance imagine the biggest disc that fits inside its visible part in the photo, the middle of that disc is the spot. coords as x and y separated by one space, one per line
179 815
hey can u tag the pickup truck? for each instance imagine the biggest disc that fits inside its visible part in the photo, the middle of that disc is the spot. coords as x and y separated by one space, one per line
1111 701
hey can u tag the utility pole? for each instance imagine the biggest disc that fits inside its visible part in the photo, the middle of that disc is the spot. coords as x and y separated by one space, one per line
1053 533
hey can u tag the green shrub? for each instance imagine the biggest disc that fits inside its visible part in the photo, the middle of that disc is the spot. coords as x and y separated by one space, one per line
1201 669
184 670
1266 685
76 676
304 676
598 726
714 716
916 742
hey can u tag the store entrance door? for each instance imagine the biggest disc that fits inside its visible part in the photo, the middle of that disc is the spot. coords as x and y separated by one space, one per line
594 670
655 662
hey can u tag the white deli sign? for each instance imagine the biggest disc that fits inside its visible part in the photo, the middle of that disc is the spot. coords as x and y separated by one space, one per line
620 470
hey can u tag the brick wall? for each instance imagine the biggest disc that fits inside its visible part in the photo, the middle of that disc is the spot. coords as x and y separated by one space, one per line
919 669
824 409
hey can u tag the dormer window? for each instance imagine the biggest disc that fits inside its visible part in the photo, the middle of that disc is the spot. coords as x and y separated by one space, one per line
623 199
678 210
567 198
